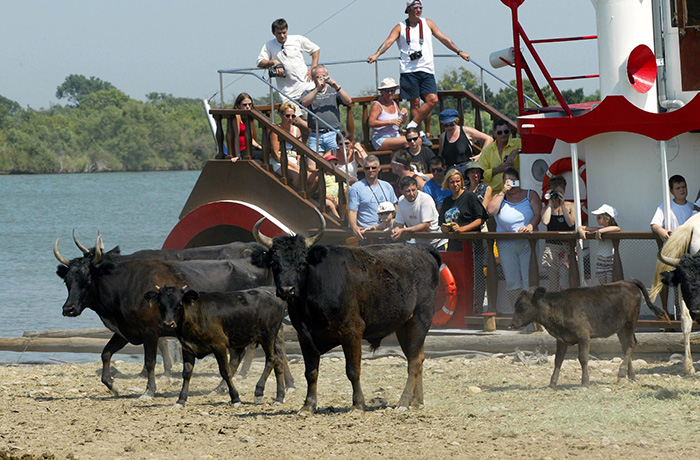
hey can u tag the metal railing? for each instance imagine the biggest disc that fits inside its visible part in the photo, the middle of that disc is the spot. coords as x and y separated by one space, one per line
250 71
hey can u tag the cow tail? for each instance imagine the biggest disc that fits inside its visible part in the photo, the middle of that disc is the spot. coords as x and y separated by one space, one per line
435 253
658 312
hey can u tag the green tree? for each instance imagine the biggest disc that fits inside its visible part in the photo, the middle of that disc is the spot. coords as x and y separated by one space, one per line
8 108
75 87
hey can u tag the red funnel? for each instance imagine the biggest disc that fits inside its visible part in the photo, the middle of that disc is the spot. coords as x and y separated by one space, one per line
641 68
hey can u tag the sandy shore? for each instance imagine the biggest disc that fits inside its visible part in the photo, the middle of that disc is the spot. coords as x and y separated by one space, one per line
475 406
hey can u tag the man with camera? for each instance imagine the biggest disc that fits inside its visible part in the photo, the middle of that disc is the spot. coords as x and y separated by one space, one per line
415 41
283 56
323 102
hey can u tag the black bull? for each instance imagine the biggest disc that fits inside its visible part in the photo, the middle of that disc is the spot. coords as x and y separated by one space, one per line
114 290
340 295
686 273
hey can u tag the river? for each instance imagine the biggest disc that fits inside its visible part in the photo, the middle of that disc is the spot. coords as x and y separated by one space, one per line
132 210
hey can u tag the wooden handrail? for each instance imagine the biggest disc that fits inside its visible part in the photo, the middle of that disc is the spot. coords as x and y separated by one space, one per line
478 106
324 167
492 278
365 102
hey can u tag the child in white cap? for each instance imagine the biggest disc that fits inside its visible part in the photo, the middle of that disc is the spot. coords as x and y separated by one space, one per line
605 216
386 212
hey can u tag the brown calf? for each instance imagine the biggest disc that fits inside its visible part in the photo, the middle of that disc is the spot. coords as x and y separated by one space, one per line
577 315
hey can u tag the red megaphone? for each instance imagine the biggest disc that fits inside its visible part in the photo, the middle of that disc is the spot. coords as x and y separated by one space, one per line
641 68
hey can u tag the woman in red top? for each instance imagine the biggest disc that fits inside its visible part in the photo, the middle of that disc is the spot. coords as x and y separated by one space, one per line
245 102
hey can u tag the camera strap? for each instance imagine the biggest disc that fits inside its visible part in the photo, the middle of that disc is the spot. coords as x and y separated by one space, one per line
420 32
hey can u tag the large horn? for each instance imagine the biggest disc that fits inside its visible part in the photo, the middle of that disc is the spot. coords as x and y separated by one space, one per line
315 238
98 251
259 237
82 248
58 255
667 260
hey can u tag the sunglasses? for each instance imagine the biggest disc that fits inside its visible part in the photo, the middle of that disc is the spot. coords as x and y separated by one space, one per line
416 8
249 104
411 139
289 115
505 131
437 169
371 168
449 125
389 90
347 143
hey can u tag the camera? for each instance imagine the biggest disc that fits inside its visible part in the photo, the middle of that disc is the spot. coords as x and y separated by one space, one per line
326 78
552 195
513 183
272 71
415 55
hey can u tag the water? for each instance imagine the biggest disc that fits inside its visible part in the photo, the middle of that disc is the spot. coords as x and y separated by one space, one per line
132 210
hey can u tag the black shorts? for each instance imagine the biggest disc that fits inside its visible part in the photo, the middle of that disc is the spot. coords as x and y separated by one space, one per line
415 84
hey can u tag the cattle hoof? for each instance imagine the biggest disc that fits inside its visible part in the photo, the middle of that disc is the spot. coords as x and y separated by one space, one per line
258 400
178 406
401 409
277 402
146 397
114 390
291 389
236 404
306 411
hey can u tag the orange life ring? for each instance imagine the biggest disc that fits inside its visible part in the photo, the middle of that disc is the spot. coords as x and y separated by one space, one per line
447 297
561 166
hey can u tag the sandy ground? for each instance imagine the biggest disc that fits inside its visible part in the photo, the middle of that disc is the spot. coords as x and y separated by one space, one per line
476 406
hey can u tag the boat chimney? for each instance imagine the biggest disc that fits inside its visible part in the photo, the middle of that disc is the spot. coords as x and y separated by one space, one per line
623 26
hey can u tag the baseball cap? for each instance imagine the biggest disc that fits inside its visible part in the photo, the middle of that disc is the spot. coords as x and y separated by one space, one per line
606 209
330 157
448 115
385 206
410 3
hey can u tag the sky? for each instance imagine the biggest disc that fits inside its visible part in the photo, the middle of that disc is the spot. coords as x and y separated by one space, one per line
177 47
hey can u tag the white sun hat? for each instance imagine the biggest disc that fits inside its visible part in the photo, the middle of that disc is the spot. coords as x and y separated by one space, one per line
387 83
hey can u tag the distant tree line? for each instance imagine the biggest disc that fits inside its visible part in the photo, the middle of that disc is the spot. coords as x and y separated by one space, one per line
102 129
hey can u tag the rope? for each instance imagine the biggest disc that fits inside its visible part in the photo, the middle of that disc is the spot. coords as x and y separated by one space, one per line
330 17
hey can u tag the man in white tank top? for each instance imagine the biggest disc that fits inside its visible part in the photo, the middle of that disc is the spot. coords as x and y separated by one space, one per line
415 42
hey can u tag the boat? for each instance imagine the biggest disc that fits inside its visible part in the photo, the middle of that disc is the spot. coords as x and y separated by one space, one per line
620 150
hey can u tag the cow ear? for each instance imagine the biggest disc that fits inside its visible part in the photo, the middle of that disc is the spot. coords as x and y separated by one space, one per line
190 296
259 257
539 293
316 254
105 266
150 295
668 278
115 251
62 271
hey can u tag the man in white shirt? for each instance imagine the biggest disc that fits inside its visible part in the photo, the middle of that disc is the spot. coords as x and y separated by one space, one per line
415 40
416 212
681 209
293 76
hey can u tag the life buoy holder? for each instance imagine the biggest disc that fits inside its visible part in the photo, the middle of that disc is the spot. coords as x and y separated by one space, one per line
447 297
561 166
